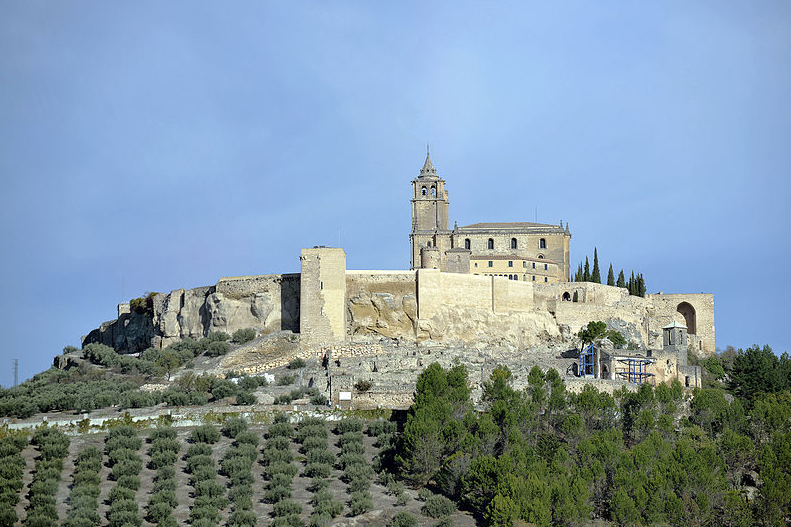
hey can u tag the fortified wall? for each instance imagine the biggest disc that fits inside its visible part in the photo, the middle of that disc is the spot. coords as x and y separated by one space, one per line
328 304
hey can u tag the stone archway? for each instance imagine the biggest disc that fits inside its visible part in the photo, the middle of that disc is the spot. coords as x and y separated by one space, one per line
688 312
566 297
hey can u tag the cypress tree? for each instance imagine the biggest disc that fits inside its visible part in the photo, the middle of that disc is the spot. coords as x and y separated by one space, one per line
578 276
596 274
586 275
575 298
632 284
640 285
610 277
621 280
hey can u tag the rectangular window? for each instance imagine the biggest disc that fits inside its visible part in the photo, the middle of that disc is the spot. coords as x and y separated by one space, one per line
545 278
534 265
545 267
524 264
490 263
510 264
476 264
534 278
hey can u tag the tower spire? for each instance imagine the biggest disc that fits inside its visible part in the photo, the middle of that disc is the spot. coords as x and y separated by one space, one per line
428 167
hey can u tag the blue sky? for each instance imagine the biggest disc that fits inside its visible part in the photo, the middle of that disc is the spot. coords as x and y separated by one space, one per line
148 146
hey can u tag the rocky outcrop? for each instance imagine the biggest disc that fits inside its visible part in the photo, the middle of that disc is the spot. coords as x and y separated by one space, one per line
267 303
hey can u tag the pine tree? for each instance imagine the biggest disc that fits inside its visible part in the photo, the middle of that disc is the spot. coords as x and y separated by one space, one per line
596 274
586 275
621 280
610 277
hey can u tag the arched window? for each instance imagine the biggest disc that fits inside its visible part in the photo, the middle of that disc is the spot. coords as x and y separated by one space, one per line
434 191
566 297
513 243
423 191
490 245
467 243
542 243
541 256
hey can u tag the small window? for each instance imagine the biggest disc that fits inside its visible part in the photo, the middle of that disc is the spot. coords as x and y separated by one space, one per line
321 285
534 265
513 243
476 264
686 381
541 256
490 263
510 263
534 278
467 244
545 278
524 277
524 264
490 244
434 191
542 243
423 191
545 267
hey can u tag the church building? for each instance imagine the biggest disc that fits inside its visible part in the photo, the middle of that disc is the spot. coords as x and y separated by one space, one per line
523 251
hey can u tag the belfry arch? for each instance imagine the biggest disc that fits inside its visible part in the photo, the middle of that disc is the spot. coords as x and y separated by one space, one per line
688 312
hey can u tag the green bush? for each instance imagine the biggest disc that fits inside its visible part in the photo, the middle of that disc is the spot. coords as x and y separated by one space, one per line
438 507
276 455
280 430
349 425
233 426
215 349
280 468
350 437
315 443
218 336
319 400
120 494
320 456
246 398
241 336
330 507
130 481
320 470
403 519
248 438
380 427
243 518
424 494
444 522
205 434
363 385
347 461
167 497
275 493
279 442
296 364
360 503
287 507
317 484
285 380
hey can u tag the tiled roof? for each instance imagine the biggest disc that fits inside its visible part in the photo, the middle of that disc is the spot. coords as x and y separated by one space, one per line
510 226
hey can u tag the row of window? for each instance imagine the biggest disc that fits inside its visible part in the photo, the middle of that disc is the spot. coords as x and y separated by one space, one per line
515 277
542 243
511 264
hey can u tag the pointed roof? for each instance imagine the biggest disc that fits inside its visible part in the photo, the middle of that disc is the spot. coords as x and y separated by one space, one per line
675 324
428 168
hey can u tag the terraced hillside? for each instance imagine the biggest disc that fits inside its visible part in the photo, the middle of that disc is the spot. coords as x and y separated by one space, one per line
282 474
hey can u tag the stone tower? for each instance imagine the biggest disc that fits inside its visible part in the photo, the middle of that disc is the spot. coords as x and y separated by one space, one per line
429 213
322 299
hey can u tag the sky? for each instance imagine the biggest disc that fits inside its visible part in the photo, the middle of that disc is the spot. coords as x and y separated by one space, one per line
149 146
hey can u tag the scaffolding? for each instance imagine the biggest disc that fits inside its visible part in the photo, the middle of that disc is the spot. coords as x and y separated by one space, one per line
587 362
636 369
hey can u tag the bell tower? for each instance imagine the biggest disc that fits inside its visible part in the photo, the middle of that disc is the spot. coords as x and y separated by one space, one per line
429 213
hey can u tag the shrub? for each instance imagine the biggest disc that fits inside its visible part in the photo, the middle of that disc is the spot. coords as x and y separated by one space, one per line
129 467
246 398
320 456
278 442
130 481
296 364
380 427
161 459
350 437
424 494
317 470
248 384
287 507
120 494
359 484
402 499
363 385
280 468
233 426
240 336
285 380
317 484
346 461
403 519
218 336
243 518
165 496
216 349
162 433
276 493
157 511
438 507
247 438
444 522
280 430
360 503
319 519
276 455
205 434
349 425
315 443
330 507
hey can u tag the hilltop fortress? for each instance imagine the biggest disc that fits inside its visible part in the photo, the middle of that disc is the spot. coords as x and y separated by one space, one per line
485 285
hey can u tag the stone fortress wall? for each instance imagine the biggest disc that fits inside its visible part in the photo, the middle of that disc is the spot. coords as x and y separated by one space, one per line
328 305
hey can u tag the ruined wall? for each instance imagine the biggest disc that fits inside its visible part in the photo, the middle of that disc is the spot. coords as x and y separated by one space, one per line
322 295
267 303
702 339
382 303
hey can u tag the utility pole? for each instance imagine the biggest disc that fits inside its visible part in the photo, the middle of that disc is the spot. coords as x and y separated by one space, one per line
16 371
